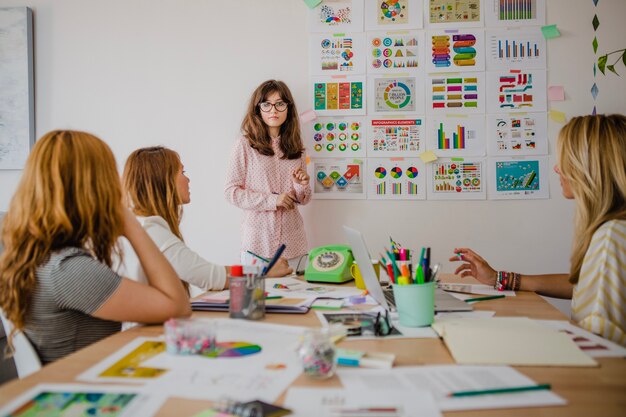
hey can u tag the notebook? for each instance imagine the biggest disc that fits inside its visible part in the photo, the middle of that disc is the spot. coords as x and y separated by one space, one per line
384 296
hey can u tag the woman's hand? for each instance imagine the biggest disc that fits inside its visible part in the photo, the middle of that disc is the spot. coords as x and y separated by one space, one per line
474 266
300 176
286 201
280 269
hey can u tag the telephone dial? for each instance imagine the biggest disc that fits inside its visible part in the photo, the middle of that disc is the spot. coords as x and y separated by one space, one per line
329 264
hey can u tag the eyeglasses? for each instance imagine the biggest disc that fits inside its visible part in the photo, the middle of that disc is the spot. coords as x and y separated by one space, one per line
382 327
280 106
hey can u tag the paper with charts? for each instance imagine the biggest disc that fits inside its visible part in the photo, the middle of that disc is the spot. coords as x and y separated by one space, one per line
338 95
517 134
514 13
521 178
456 179
338 178
394 52
395 137
458 93
516 90
453 13
337 16
393 14
396 179
389 95
515 49
450 135
455 50
337 53
336 137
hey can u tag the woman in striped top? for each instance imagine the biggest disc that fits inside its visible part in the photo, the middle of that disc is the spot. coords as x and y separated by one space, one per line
59 235
592 171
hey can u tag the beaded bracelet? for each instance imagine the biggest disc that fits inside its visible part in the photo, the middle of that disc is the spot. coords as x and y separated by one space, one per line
507 281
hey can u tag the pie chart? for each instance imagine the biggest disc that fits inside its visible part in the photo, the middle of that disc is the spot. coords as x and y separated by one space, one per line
232 350
380 172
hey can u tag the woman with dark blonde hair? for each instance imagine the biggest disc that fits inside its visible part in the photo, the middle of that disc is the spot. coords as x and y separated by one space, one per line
592 171
267 175
59 236
157 188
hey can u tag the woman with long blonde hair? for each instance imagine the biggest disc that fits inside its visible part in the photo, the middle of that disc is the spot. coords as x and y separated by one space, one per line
592 171
59 237
157 188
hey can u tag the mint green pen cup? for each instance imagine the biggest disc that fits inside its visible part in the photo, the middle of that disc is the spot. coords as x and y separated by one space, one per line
415 304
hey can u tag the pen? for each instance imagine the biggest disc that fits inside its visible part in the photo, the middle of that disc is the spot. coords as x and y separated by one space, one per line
500 390
294 199
273 297
257 256
489 297
279 252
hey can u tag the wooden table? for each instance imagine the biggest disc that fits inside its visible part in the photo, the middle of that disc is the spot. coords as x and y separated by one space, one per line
597 392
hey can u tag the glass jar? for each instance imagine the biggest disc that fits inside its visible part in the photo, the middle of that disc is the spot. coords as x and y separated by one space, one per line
317 353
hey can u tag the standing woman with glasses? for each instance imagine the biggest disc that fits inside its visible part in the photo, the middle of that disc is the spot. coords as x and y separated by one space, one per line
267 175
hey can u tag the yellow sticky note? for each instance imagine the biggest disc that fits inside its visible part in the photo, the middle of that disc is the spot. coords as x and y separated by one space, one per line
557 116
428 156
308 160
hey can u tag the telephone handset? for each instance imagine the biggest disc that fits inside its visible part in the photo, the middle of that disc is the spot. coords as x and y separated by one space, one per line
329 264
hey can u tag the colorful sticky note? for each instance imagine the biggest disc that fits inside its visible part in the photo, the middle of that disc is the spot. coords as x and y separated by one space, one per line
556 93
550 31
308 160
312 3
557 116
307 116
428 156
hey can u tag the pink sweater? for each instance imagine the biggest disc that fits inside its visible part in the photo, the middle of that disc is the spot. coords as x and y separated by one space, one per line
253 182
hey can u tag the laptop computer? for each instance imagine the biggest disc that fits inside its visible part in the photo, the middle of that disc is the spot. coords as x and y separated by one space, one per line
444 302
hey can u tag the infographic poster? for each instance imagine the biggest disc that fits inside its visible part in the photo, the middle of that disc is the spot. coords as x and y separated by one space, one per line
337 53
338 178
389 95
455 50
393 52
338 95
517 134
395 137
516 91
519 178
515 49
457 179
393 14
458 93
396 179
453 13
515 12
450 135
337 16
336 137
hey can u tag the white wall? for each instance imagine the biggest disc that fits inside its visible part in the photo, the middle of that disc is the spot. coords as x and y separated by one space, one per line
179 73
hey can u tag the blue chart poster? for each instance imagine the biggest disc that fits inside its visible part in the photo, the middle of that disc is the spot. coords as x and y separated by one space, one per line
519 178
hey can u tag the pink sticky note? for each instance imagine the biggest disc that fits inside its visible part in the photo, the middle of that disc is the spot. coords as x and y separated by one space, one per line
556 93
307 116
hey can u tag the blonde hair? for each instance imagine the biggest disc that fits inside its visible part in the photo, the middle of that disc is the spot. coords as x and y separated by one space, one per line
69 196
592 158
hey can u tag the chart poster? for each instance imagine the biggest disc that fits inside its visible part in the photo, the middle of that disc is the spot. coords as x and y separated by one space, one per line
515 48
516 91
450 135
395 137
339 95
455 50
456 179
514 12
338 178
337 16
336 137
393 52
518 178
517 134
393 14
458 93
453 13
337 53
389 95
396 179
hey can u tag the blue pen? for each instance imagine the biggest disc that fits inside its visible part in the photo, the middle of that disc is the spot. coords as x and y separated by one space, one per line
427 265
279 252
